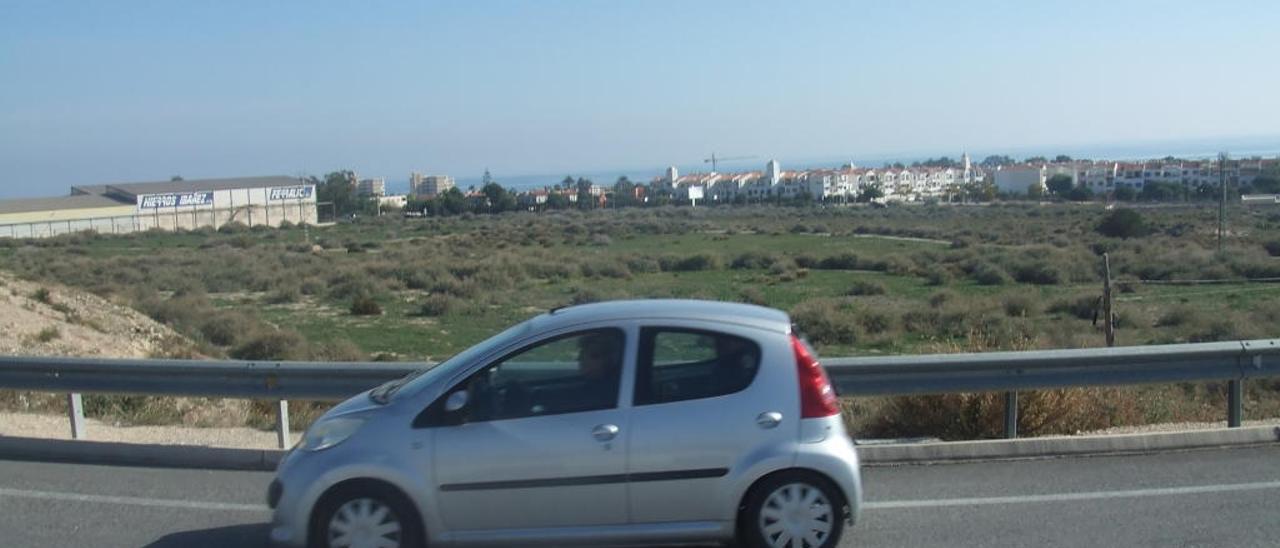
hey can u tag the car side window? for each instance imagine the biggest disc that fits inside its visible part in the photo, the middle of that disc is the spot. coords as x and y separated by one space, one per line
684 364
568 374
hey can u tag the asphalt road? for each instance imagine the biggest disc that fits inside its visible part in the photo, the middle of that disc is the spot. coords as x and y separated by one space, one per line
1228 497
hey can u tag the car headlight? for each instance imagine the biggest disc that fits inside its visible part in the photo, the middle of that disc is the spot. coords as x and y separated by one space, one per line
328 433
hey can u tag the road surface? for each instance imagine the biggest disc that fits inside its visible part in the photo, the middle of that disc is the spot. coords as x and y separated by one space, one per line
1223 497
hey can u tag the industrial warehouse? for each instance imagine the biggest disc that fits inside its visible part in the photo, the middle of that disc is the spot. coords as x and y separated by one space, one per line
169 205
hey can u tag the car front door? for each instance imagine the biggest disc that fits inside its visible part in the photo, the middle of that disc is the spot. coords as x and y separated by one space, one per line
705 401
537 443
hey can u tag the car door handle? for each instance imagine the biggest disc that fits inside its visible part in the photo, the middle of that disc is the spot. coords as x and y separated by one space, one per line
769 419
604 432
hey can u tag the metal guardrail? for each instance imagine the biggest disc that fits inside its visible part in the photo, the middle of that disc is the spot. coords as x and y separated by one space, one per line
1007 372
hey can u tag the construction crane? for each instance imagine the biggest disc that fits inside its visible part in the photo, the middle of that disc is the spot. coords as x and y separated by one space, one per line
713 160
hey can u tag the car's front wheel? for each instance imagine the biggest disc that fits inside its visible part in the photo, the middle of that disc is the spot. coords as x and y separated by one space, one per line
365 516
792 510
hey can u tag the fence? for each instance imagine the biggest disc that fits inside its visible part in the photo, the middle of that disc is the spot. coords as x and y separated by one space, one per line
1235 362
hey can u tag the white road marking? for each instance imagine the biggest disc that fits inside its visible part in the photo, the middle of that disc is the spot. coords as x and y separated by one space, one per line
134 501
1060 497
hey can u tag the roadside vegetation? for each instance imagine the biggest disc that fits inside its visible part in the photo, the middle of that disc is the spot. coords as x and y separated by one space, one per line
857 280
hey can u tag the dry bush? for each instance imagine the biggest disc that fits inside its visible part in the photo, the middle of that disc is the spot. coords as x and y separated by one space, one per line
1082 306
365 305
1021 305
981 415
275 344
751 295
435 305
826 321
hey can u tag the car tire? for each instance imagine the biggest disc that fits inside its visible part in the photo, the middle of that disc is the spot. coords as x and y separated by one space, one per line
356 512
792 509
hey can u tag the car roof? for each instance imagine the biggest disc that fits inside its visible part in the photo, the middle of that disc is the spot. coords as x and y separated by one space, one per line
667 309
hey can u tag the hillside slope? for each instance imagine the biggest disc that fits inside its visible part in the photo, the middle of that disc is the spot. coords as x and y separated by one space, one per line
52 320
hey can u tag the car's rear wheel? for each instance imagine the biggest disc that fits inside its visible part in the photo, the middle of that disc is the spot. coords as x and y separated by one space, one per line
365 516
792 510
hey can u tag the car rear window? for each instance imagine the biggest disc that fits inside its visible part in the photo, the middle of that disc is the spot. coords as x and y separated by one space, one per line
677 364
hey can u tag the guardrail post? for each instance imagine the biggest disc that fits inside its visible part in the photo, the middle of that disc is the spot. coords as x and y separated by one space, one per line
282 424
1011 414
1235 402
75 410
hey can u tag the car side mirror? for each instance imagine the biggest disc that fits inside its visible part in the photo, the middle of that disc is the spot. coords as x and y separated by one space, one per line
456 401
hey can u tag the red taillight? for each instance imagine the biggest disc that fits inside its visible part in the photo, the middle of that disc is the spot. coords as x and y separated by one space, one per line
817 397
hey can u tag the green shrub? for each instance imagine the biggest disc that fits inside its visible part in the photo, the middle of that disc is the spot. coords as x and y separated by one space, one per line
365 305
227 328
48 334
276 344
1037 272
1272 247
937 275
1178 316
235 227
941 298
1123 223
754 260
843 261
1020 305
42 295
826 322
285 295
691 263
806 261
875 322
1081 307
989 274
641 264
607 269
435 305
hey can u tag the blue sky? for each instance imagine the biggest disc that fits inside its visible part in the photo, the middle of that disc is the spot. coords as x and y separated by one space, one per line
122 90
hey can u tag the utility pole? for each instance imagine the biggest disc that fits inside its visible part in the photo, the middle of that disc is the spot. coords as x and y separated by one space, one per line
1109 327
1222 200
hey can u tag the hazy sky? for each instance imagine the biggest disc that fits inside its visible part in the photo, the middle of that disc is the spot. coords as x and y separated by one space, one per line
119 90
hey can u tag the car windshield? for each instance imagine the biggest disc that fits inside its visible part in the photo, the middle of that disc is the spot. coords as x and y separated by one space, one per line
413 382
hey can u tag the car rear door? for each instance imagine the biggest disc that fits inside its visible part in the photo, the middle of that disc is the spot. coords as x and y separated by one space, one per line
707 399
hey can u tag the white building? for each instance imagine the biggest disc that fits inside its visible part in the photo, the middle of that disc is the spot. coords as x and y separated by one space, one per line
1018 179
397 201
376 186
428 186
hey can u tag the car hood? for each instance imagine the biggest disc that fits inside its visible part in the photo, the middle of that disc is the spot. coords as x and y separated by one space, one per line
358 403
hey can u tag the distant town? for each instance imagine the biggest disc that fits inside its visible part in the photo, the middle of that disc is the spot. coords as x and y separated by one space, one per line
179 204
934 180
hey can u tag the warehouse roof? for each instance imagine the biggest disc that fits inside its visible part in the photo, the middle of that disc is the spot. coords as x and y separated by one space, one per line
96 190
59 203
201 185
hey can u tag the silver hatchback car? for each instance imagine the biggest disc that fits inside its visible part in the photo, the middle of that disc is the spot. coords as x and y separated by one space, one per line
618 423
